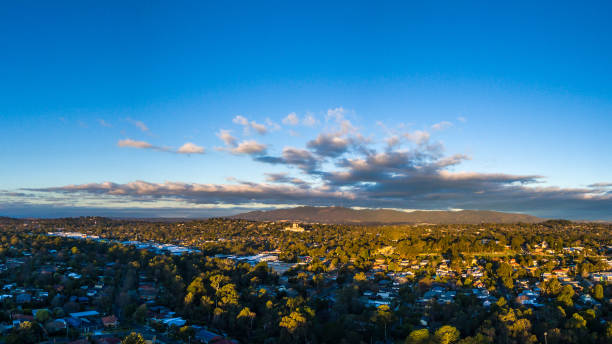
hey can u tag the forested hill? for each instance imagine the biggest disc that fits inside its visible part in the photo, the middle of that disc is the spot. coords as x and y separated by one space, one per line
339 215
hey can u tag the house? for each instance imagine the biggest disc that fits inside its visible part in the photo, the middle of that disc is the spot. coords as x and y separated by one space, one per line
73 322
19 318
9 286
480 293
85 314
294 228
576 249
57 325
74 275
35 311
602 276
587 300
47 270
174 321
560 272
528 298
147 291
207 337
446 297
161 311
23 298
87 319
377 303
547 276
110 321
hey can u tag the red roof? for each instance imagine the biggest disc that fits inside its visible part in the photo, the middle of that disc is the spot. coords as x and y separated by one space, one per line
110 320
23 317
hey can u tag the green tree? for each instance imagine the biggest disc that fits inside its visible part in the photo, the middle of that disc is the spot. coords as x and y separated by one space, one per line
477 339
598 292
185 333
576 321
504 272
447 334
27 332
196 286
216 281
520 329
206 303
360 277
384 316
247 314
608 333
551 287
566 295
140 314
189 298
42 316
418 337
133 338
293 322
228 294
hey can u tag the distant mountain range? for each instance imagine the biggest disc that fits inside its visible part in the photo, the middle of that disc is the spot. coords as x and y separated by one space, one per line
340 215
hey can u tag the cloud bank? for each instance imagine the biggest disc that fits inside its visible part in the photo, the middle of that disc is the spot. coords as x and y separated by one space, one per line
187 148
339 165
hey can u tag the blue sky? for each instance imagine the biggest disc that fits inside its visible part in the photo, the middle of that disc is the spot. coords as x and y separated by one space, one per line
519 94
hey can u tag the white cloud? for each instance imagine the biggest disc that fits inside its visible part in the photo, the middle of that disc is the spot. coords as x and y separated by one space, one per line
139 124
417 136
462 119
336 113
243 121
135 144
442 125
250 147
392 141
260 128
227 138
192 194
187 148
190 148
104 123
309 120
272 125
329 145
291 119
